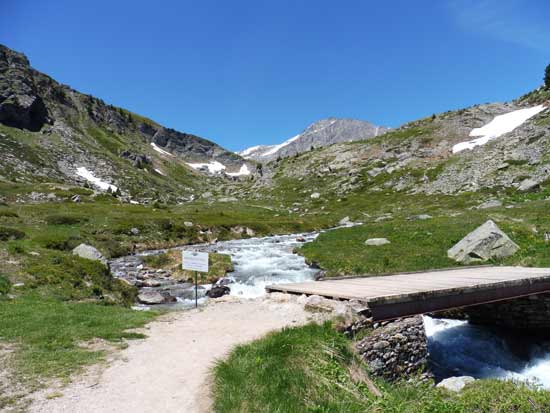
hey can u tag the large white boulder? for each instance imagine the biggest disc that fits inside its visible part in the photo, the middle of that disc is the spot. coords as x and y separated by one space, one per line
455 384
376 242
486 242
90 253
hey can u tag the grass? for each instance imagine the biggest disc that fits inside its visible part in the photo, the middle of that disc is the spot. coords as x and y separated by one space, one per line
423 244
48 333
307 369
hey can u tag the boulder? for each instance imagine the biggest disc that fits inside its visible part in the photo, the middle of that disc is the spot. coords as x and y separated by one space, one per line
150 297
376 242
318 304
90 253
455 384
218 291
315 195
300 239
486 242
528 185
75 198
344 221
188 224
492 203
421 217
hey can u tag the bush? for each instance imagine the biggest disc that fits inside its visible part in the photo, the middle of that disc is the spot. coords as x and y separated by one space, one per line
157 261
59 241
8 213
61 219
69 277
9 234
5 285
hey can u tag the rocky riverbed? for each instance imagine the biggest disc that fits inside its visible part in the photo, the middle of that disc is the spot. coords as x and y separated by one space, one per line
257 263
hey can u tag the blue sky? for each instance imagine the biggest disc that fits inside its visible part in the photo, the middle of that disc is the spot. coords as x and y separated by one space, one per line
252 72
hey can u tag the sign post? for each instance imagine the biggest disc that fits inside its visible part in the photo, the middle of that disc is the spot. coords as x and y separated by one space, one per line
197 262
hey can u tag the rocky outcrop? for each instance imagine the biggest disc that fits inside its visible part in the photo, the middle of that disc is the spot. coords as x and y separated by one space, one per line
21 106
484 243
396 349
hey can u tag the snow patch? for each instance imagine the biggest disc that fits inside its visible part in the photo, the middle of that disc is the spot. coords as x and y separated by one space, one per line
160 172
89 176
212 166
276 148
248 151
243 171
160 150
499 126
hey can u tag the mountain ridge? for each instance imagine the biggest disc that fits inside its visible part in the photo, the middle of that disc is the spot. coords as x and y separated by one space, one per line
321 133
49 130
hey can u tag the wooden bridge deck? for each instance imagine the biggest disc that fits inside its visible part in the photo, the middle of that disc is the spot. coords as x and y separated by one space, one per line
399 295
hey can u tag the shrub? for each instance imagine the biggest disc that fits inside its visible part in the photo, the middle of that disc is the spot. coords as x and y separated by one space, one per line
547 77
157 261
8 213
61 219
14 247
5 285
69 277
59 241
9 234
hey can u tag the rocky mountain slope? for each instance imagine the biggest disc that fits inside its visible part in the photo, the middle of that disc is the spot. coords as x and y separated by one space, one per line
52 133
319 134
489 148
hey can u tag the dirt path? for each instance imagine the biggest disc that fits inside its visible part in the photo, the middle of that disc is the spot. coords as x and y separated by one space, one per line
169 371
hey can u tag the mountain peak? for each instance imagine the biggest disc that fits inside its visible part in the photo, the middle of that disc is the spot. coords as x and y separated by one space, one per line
321 133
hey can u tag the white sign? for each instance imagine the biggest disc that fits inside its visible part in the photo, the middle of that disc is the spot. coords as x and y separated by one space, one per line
194 261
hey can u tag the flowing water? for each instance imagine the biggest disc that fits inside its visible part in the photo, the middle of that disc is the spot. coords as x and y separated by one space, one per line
260 262
458 348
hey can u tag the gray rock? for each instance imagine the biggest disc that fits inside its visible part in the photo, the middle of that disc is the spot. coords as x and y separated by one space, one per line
315 195
218 291
421 217
134 231
90 253
150 297
492 203
344 221
486 242
377 241
528 185
188 224
21 106
75 198
455 384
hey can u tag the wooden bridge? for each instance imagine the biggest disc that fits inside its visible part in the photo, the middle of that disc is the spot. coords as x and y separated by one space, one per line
399 295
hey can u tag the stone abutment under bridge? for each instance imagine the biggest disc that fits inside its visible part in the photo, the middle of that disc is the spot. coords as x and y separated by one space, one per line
530 314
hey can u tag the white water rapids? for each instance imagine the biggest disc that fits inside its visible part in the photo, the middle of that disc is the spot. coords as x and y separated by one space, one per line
260 262
458 348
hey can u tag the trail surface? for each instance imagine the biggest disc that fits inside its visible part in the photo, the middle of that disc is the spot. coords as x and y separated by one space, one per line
169 370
